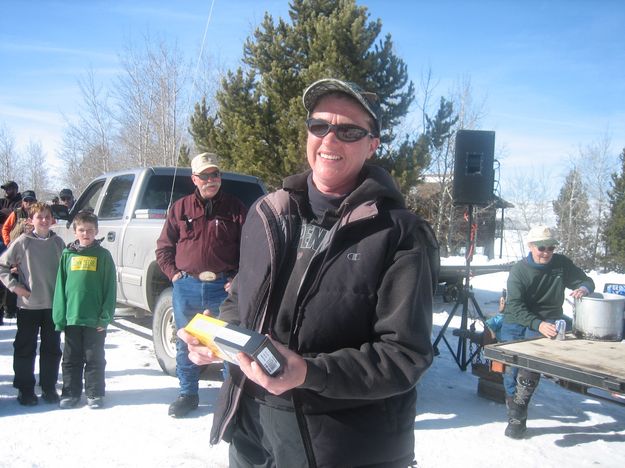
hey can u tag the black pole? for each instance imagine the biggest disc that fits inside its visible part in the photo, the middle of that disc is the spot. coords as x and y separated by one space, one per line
465 295
501 236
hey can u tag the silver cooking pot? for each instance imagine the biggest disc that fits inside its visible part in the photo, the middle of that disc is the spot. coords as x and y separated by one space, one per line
599 317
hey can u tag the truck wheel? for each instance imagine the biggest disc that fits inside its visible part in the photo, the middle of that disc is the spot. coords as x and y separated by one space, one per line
164 332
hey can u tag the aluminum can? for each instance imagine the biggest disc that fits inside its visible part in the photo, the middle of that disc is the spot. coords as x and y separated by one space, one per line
561 329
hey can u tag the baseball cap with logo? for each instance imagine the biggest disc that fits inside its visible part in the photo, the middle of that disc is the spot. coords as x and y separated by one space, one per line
203 161
331 85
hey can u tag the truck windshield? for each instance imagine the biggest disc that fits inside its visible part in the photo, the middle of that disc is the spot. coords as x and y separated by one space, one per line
156 195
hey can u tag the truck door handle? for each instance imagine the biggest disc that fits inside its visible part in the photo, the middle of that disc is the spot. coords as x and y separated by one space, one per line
110 236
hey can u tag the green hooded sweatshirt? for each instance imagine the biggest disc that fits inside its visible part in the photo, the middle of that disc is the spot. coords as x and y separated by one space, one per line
86 287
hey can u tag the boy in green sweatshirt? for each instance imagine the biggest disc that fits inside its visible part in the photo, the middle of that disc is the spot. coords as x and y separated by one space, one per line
84 304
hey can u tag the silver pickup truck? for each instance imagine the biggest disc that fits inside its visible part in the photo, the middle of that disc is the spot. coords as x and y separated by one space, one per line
131 206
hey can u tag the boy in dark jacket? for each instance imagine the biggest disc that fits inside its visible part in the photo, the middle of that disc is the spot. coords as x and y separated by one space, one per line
84 304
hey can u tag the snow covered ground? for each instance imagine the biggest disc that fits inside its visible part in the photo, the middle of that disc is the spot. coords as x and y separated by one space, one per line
454 428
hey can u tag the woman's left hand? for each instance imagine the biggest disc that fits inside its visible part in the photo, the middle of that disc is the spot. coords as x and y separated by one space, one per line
292 376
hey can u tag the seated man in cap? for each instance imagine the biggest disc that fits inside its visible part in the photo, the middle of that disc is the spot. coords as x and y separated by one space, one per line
535 288
198 250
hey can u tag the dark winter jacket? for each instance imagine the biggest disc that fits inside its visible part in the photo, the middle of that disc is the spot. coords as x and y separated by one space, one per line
7 205
536 292
363 321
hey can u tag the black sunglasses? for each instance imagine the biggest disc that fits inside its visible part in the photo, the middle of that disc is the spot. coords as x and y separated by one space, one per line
209 176
344 132
542 248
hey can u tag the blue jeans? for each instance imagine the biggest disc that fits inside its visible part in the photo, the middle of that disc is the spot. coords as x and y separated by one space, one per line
192 296
512 332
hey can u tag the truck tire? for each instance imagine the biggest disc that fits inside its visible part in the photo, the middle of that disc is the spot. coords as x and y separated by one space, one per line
164 332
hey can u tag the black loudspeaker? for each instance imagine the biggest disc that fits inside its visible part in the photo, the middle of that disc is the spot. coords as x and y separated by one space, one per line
474 175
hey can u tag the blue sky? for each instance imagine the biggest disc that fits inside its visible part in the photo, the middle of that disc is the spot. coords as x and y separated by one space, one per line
551 74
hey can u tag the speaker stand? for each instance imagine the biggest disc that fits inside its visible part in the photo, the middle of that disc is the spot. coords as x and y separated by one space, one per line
464 296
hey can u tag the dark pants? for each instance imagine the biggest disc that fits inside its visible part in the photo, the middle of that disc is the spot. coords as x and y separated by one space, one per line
84 351
30 324
8 302
265 437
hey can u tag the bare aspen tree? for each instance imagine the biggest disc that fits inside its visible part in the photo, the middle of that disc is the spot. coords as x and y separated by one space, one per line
573 219
597 163
151 103
8 155
36 169
88 143
531 198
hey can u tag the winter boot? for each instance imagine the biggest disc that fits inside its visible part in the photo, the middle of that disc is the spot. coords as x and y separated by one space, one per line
183 405
526 384
517 419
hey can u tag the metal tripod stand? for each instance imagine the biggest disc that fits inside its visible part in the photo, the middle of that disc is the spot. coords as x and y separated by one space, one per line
464 296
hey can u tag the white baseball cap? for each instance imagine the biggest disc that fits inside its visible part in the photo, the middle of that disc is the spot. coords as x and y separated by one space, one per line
204 161
542 235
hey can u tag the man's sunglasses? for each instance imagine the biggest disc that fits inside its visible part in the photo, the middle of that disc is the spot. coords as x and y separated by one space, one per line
210 176
542 248
344 132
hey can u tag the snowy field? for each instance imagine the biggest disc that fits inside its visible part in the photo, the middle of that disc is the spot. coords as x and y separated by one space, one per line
454 428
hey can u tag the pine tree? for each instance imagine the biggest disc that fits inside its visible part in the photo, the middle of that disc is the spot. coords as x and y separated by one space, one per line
258 125
184 154
573 220
615 224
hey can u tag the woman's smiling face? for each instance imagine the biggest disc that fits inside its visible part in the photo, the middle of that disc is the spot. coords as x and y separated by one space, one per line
335 163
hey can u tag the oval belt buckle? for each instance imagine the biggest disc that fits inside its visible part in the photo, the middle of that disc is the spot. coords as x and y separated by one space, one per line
207 276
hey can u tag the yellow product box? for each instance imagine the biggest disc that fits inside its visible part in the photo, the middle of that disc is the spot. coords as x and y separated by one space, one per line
226 340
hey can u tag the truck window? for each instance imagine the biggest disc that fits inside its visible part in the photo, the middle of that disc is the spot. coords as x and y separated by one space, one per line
116 196
247 192
89 198
157 192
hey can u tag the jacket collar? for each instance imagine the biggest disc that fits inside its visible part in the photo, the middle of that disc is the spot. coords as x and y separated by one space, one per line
375 184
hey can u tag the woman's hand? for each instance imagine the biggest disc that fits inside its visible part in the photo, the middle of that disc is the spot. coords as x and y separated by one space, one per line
198 353
292 376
